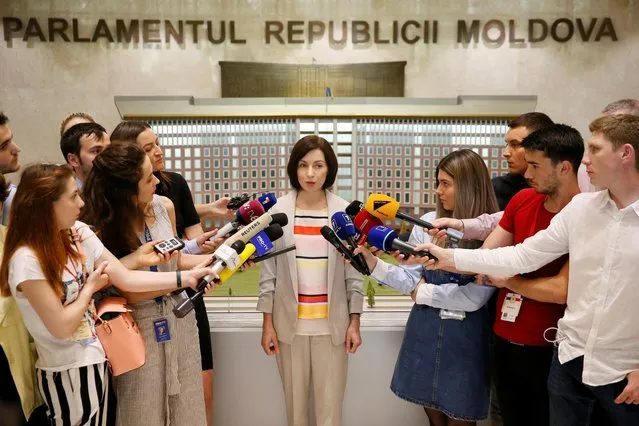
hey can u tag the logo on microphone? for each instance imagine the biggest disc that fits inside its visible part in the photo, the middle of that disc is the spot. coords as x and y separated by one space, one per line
262 243
379 204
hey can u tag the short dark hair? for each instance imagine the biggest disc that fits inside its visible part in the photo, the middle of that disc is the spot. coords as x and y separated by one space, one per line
559 142
303 147
3 119
533 121
622 106
70 141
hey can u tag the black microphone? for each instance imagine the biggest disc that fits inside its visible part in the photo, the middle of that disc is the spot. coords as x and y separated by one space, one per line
345 230
354 207
273 254
329 235
279 218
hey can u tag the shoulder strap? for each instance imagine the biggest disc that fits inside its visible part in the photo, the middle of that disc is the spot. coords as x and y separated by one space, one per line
75 236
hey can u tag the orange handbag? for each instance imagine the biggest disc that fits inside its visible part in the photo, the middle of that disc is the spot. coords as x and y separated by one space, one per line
120 336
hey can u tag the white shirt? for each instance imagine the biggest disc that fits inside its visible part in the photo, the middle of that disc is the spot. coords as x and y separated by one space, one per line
601 321
56 354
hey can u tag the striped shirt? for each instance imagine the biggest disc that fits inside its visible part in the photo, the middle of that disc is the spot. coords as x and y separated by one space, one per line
312 271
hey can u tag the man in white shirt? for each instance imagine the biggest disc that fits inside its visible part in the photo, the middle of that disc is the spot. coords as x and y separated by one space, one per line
9 162
480 227
594 378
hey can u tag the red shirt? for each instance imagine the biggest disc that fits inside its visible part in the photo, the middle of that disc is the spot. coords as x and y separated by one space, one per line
524 216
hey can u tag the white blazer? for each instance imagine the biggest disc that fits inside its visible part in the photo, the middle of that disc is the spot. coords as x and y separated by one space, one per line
278 280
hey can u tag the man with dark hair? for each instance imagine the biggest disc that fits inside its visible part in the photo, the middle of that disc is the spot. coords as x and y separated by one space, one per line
594 377
80 144
9 162
527 306
508 185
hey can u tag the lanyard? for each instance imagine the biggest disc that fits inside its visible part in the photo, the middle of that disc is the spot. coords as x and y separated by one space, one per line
76 242
148 239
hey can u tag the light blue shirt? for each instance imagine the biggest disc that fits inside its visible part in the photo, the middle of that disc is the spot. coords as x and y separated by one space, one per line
6 208
405 278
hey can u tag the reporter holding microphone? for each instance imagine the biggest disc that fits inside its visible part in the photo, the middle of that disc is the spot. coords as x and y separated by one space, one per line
187 223
125 212
310 300
52 266
442 361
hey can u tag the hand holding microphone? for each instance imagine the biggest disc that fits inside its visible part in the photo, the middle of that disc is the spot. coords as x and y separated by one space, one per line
329 235
345 230
385 207
386 239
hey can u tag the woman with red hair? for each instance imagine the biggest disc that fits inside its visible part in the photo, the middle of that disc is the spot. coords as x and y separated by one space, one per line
52 265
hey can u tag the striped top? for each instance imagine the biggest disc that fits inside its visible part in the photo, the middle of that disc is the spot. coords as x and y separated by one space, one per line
312 271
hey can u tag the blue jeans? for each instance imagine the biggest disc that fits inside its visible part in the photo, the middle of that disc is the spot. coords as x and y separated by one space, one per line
573 403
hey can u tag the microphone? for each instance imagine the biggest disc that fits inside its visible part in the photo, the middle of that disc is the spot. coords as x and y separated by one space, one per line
329 235
225 230
186 306
386 239
364 222
273 254
243 216
385 207
226 273
225 256
354 207
280 218
345 230
252 229
249 212
273 232
267 200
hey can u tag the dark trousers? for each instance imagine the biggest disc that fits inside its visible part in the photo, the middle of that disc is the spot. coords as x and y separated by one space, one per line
573 403
521 376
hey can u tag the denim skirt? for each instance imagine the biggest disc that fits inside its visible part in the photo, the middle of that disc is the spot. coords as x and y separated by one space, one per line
442 363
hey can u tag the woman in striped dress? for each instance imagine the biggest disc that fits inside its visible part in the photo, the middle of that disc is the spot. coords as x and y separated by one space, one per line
310 300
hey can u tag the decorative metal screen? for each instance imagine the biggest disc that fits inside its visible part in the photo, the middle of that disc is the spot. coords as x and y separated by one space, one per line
397 157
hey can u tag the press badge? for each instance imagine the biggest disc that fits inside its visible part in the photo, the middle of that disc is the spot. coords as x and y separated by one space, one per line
162 333
450 314
510 308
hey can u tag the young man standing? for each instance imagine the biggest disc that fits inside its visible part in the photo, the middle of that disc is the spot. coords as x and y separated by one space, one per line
80 144
594 377
508 185
522 356
9 162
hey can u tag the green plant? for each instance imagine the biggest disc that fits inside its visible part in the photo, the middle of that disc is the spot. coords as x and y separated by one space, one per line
370 293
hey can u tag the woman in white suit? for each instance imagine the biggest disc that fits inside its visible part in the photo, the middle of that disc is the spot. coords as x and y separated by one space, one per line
310 299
